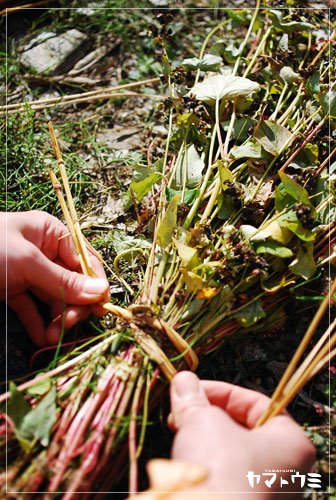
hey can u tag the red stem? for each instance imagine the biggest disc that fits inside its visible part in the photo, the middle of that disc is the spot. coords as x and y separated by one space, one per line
314 132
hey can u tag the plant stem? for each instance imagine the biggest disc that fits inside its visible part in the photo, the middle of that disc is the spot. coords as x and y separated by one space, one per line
259 49
195 206
247 36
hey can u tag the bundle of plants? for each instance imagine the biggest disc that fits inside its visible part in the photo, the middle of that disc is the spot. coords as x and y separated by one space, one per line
235 220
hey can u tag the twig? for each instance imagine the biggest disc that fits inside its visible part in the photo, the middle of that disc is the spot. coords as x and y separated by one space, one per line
275 407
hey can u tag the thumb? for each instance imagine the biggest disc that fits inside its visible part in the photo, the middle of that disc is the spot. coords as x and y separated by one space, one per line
200 426
60 283
186 395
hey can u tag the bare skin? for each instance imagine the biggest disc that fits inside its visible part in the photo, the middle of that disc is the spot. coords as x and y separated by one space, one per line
215 427
41 261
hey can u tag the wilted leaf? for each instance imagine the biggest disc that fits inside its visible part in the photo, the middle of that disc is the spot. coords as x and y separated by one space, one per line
143 180
272 136
273 248
273 231
188 255
223 87
288 27
192 280
294 189
168 223
38 422
193 175
208 293
250 314
304 264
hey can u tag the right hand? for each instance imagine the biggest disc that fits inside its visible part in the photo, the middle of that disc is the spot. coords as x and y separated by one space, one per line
215 428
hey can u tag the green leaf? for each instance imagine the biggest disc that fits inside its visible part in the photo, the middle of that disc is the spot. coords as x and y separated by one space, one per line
191 63
304 265
273 248
250 149
38 422
288 27
272 137
313 83
272 285
122 241
282 199
294 189
189 195
241 127
166 67
226 207
193 308
187 118
143 180
17 406
288 75
40 388
250 314
168 223
300 231
208 63
223 87
193 176
188 255
328 102
224 173
273 231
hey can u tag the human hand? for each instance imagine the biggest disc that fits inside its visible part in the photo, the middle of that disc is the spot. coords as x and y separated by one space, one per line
214 424
41 258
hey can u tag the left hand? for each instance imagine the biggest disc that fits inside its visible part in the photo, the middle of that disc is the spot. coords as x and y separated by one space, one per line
39 257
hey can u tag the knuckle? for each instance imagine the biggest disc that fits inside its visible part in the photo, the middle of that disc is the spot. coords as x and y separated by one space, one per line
68 283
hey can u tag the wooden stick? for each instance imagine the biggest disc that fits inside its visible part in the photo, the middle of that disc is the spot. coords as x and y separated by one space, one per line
53 100
147 343
309 359
287 398
87 266
298 354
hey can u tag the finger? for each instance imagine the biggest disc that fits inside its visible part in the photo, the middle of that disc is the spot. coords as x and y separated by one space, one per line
29 316
201 427
76 288
71 316
186 395
49 235
243 405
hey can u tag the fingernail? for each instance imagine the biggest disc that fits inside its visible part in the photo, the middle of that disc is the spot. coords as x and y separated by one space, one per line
95 286
186 385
